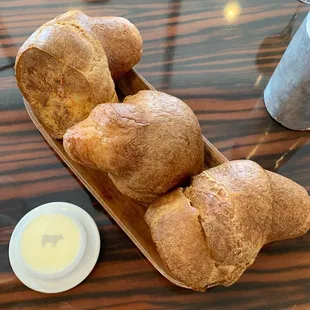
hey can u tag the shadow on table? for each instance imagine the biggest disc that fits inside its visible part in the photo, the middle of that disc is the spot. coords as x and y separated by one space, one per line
273 47
170 43
10 58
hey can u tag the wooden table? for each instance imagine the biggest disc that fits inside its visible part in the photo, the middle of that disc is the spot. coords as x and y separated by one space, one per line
218 57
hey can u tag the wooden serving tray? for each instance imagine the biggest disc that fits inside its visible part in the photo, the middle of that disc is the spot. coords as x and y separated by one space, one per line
128 213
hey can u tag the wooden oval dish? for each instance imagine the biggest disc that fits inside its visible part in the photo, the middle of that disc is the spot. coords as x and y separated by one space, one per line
127 213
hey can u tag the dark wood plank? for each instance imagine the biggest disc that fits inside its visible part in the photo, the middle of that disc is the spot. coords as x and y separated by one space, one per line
220 69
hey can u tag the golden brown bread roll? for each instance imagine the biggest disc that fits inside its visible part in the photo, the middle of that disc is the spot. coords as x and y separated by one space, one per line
63 70
148 145
233 210
120 39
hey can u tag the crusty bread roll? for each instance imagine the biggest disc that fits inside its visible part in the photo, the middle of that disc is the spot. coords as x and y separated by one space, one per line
148 145
63 70
120 39
209 233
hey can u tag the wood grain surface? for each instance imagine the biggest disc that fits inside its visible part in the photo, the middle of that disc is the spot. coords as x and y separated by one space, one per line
217 56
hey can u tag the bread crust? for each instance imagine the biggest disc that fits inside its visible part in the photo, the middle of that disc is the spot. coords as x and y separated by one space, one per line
290 211
67 66
238 207
149 144
120 39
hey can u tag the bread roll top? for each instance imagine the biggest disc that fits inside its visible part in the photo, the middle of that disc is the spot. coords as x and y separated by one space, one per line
63 73
120 39
67 66
149 144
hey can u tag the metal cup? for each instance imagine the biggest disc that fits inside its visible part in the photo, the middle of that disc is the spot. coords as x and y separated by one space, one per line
287 95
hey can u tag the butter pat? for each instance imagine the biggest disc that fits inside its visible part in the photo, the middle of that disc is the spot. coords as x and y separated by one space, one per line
54 247
51 243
